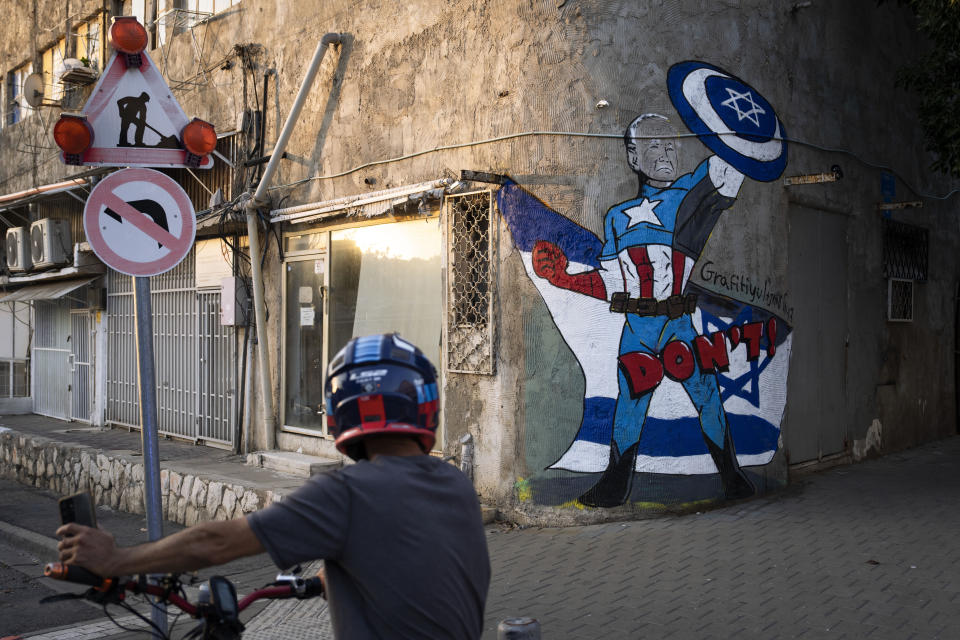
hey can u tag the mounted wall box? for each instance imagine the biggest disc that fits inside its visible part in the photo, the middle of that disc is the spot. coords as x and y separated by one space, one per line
233 301
18 250
50 243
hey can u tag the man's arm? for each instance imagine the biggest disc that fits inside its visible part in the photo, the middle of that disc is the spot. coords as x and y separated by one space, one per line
549 262
203 545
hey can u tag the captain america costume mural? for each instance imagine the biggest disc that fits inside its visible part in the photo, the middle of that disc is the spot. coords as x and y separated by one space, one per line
652 242
640 274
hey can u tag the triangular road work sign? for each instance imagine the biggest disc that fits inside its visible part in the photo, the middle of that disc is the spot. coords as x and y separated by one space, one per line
136 121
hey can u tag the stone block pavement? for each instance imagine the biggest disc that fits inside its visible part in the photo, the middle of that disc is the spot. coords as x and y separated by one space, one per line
863 551
869 550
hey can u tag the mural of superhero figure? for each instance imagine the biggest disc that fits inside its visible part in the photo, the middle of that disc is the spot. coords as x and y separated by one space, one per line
638 279
652 242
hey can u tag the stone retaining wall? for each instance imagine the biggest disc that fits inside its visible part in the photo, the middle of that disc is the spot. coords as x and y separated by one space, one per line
116 480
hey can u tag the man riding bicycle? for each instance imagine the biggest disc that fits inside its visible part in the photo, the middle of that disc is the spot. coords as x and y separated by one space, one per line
400 532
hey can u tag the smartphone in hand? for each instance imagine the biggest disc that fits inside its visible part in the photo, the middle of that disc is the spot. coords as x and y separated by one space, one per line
78 508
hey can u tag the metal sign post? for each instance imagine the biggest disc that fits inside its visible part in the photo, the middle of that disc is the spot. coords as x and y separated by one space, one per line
138 221
148 429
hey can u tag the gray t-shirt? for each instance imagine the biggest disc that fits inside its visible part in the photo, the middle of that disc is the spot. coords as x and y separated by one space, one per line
403 543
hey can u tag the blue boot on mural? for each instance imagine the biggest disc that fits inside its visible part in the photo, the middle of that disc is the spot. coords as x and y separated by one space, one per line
736 485
613 488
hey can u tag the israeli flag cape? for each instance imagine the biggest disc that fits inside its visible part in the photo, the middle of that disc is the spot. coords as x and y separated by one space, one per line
754 393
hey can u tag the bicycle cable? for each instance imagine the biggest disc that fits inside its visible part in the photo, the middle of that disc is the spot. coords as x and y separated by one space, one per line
136 613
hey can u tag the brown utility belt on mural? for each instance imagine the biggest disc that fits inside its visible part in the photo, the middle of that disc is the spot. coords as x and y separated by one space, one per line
673 307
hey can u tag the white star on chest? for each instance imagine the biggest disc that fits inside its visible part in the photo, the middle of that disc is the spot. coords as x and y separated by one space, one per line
643 212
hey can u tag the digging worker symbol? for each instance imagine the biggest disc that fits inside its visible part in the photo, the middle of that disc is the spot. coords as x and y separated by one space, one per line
133 112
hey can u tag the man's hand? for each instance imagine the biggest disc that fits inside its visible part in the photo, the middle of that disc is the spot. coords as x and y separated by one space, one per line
725 177
549 261
92 549
322 574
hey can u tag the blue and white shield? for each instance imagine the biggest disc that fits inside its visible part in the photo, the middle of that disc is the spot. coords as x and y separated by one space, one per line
730 117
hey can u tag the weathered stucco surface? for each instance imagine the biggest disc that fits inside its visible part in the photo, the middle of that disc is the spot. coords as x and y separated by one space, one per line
415 76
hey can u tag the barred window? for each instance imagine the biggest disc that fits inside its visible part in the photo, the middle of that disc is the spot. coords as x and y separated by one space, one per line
14 379
899 300
471 253
905 250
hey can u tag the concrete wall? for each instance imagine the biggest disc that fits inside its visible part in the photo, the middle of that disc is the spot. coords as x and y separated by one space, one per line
411 77
29 28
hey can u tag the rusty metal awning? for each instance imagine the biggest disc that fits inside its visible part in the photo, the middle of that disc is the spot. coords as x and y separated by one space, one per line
66 188
46 291
367 205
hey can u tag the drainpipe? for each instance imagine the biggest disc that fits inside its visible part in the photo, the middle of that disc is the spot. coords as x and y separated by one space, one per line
258 200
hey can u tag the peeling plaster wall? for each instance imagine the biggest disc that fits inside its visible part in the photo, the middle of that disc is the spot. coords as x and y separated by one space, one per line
29 28
411 77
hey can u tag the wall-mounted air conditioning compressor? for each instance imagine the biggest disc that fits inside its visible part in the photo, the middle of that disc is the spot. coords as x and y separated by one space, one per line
50 243
18 250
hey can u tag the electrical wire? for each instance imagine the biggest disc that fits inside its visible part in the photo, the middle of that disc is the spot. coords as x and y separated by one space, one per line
576 134
874 165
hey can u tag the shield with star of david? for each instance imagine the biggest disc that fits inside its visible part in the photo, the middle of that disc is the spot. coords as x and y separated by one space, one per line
730 117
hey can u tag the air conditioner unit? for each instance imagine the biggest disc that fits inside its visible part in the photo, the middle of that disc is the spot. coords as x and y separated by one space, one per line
50 243
899 300
18 250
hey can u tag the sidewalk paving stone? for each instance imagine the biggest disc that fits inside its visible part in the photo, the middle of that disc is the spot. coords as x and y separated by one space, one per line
861 551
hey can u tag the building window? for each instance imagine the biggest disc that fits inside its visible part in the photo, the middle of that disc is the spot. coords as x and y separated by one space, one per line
469 283
210 6
138 9
15 108
181 15
905 251
351 282
15 332
89 49
52 60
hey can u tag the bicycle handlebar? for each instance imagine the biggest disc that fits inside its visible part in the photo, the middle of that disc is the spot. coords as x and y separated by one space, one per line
73 573
307 588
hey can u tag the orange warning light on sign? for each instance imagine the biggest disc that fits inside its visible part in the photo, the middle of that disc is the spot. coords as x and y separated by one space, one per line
73 134
199 137
127 35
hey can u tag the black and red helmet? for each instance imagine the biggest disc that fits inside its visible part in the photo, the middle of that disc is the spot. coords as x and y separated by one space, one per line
380 384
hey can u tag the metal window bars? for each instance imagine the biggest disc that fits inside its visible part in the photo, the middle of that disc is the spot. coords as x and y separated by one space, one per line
171 23
905 250
14 378
471 254
899 300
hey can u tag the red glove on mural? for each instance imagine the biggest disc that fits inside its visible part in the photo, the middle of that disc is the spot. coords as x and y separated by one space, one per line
550 263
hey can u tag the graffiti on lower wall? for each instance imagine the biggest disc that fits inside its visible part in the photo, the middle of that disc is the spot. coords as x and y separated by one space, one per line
678 380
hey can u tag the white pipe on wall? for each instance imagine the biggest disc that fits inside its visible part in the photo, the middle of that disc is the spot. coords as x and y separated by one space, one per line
259 200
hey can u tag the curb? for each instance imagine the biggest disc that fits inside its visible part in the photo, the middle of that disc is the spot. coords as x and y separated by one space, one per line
39 545
116 479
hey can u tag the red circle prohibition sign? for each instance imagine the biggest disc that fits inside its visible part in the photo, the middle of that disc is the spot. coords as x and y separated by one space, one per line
109 240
